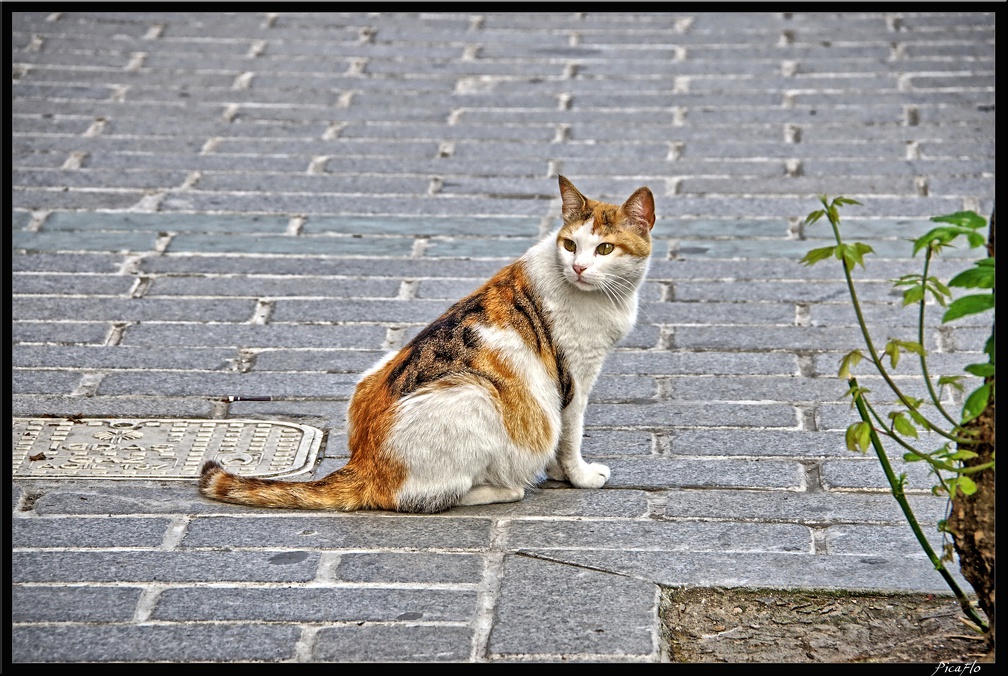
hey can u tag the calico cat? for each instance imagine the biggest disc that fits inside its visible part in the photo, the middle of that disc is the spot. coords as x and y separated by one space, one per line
493 393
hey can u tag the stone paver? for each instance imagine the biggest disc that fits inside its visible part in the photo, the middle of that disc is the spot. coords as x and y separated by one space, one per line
261 204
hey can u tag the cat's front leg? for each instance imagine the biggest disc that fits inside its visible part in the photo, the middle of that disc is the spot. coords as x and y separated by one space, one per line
581 474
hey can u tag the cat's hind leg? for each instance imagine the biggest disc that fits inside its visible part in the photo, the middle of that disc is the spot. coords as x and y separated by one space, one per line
486 494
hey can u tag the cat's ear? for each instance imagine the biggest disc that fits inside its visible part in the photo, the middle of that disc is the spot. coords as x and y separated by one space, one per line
574 203
639 207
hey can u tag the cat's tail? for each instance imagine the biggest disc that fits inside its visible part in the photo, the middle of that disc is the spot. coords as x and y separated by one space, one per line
342 490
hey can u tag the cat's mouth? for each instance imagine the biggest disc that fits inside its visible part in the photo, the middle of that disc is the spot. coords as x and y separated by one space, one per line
581 283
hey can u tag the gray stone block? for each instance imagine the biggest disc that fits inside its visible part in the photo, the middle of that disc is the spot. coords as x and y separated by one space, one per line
393 643
707 313
758 442
870 572
690 414
89 532
72 241
126 405
220 385
121 357
687 536
66 284
161 222
28 381
285 566
679 472
326 336
589 613
73 604
157 642
460 247
559 499
330 361
755 388
660 362
396 311
399 225
272 287
601 442
339 531
134 309
66 262
315 604
623 388
893 540
806 507
417 568
866 473
285 244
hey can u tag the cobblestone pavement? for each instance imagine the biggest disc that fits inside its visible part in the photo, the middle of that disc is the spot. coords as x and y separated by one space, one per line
207 205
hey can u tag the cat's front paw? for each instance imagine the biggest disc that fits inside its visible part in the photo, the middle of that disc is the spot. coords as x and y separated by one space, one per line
589 475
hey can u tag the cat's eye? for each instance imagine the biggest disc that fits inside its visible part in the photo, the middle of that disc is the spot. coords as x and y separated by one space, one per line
570 245
604 249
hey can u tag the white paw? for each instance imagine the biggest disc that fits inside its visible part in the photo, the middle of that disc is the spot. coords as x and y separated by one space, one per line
589 475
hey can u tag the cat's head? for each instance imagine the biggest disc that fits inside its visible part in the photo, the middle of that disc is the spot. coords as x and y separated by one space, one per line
605 247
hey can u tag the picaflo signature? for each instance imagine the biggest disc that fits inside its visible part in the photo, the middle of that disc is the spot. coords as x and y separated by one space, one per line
968 668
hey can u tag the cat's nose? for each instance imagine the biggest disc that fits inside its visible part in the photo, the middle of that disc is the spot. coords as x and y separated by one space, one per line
578 269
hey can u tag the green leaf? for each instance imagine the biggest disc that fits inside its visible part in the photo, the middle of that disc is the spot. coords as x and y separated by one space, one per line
938 290
945 235
846 200
816 255
966 485
911 457
913 295
906 280
814 216
979 277
918 418
965 219
855 392
904 426
864 436
892 351
989 348
951 381
982 370
976 402
910 346
849 361
850 437
963 455
858 437
968 305
852 254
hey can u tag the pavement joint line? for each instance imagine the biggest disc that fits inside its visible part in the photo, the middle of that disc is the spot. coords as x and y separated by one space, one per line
147 602
488 594
88 385
153 32
38 218
304 647
243 81
175 532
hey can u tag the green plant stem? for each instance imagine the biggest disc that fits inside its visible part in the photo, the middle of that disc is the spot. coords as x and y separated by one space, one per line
897 490
920 339
871 346
891 433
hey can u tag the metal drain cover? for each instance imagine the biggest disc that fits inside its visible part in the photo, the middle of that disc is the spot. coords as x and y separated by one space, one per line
133 448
